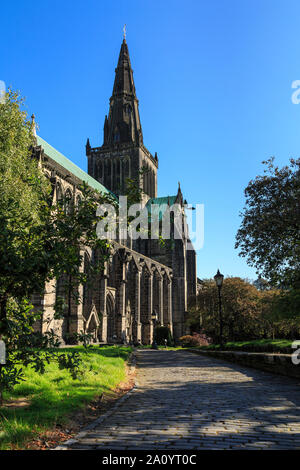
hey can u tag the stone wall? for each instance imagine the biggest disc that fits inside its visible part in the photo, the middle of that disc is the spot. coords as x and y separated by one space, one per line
119 305
271 362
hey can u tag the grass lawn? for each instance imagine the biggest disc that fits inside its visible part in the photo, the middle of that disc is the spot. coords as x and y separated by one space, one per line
53 396
149 346
259 345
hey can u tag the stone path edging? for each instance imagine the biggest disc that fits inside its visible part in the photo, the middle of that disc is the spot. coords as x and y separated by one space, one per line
276 363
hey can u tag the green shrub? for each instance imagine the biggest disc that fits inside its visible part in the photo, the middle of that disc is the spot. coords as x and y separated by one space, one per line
162 333
188 341
196 339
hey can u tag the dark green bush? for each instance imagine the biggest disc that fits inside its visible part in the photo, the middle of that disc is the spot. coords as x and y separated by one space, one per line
161 333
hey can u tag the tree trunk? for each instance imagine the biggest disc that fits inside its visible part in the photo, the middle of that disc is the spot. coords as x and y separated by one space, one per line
3 315
1 388
69 308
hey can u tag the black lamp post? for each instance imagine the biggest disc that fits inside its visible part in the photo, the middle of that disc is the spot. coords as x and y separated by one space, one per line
154 319
219 282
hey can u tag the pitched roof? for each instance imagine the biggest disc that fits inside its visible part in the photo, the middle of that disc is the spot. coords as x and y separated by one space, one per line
161 203
70 166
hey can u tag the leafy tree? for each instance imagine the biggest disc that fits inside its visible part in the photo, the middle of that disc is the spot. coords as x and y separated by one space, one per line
261 284
24 192
268 314
248 313
240 310
38 242
269 235
134 187
65 234
286 305
280 313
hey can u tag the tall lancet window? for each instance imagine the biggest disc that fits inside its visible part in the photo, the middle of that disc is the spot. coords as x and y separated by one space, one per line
128 109
116 135
68 202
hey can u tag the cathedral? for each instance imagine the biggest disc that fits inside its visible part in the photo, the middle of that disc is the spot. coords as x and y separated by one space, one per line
144 283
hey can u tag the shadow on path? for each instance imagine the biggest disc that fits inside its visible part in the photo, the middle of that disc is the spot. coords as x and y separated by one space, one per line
199 402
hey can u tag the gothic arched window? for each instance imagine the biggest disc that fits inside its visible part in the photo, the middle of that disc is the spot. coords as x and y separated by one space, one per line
116 135
61 293
100 170
78 201
87 287
68 202
128 109
59 193
107 173
127 168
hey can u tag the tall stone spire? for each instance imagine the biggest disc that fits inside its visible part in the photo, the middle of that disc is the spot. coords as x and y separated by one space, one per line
123 123
123 154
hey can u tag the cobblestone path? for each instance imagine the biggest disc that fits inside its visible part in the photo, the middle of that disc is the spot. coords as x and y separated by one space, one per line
186 401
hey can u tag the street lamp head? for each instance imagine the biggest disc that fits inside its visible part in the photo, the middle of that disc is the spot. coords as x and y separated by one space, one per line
219 279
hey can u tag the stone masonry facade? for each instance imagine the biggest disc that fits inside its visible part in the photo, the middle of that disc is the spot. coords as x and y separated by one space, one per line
142 276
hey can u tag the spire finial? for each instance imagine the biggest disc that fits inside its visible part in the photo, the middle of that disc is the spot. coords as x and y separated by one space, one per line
124 32
33 125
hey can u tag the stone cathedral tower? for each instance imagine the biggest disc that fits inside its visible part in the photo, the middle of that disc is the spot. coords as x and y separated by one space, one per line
123 153
142 277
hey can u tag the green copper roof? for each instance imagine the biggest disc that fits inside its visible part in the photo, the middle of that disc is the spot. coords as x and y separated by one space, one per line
162 203
70 166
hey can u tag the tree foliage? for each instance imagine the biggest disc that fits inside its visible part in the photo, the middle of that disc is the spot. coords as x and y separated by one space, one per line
239 307
39 241
24 193
248 313
269 235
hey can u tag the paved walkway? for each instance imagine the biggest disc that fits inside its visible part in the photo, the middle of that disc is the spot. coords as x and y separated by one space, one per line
186 401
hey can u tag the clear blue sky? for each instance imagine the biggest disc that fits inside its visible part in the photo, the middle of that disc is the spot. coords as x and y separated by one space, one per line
213 79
